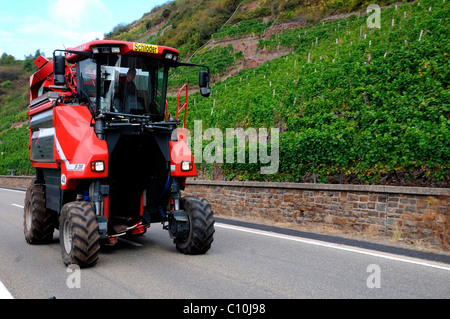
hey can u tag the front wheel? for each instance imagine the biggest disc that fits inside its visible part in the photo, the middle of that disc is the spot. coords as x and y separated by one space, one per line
201 226
79 235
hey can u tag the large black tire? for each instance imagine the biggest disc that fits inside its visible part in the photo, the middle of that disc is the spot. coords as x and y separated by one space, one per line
78 234
38 222
201 226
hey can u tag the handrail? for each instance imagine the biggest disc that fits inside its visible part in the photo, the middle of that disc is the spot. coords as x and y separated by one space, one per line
184 106
167 111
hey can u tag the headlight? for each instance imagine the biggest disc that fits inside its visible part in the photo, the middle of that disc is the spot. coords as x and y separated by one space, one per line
171 56
97 50
186 166
98 166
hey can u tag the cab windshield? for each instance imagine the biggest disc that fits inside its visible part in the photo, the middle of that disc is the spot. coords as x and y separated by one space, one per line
128 84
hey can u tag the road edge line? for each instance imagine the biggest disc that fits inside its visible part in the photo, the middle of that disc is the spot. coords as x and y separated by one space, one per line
4 292
372 253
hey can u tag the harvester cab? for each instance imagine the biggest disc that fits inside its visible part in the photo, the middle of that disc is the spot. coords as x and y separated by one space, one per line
109 158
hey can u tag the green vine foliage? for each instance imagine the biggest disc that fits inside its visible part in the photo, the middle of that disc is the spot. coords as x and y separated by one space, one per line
255 27
14 153
348 100
14 98
218 59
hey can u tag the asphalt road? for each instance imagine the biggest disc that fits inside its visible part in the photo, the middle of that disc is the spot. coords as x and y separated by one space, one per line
243 263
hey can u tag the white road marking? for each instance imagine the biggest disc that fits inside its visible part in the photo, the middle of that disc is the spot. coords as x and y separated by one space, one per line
4 293
318 243
12 190
338 246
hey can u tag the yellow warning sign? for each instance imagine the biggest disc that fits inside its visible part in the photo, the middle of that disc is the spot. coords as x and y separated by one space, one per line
148 48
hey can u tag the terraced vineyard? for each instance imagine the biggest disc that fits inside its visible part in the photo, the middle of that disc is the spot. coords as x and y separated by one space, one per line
353 104
14 98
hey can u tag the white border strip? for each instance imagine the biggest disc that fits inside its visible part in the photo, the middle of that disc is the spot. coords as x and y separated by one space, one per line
12 190
69 167
338 246
4 293
320 243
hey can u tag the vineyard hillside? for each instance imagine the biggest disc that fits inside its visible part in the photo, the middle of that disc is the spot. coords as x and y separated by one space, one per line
354 104
358 96
14 99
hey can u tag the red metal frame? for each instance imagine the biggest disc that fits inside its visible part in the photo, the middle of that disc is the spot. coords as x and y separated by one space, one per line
179 152
167 111
184 106
126 48
76 144
79 143
40 108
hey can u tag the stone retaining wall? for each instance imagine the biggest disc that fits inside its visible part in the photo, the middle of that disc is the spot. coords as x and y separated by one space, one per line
402 212
390 211
20 182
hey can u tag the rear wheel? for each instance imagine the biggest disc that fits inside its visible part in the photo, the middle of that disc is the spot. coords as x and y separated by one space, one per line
38 222
201 226
79 236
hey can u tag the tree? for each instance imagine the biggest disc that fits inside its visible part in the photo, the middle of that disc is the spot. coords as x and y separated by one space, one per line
7 59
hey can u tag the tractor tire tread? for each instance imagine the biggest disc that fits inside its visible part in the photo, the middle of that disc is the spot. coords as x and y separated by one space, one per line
85 234
202 226
43 221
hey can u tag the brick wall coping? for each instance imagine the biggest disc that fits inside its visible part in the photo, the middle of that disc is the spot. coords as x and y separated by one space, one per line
17 177
427 191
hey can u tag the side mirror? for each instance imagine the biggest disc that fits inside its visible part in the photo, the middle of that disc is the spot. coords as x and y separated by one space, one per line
203 82
59 70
